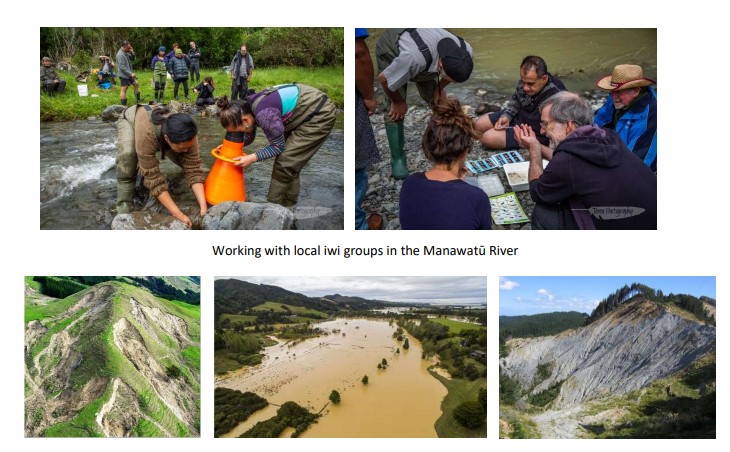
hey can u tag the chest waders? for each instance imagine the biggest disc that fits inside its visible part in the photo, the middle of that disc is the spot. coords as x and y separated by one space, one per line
127 157
159 76
305 130
386 51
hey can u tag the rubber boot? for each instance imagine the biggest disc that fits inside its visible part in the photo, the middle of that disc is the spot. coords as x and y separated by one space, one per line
396 142
292 194
277 192
125 196
139 97
123 101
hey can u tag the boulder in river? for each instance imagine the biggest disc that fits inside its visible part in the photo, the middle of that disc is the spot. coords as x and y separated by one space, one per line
146 220
112 112
233 215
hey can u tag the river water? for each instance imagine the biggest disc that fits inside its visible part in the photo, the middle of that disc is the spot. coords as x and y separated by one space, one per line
402 401
579 56
78 179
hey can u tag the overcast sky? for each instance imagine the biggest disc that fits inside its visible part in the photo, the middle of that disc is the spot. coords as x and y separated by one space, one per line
521 295
409 289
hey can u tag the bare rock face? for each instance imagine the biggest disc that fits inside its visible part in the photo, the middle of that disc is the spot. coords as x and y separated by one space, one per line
176 394
234 215
33 332
120 414
170 324
146 220
621 352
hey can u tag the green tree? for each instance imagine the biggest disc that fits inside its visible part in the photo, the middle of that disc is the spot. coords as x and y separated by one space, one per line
335 397
365 380
470 414
482 398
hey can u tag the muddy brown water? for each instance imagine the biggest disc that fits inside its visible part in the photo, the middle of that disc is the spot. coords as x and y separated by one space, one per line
402 401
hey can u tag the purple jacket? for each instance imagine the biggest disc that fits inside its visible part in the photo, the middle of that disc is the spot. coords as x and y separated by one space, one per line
593 167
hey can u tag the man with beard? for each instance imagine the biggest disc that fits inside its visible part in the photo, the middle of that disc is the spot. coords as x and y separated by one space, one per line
593 181
631 110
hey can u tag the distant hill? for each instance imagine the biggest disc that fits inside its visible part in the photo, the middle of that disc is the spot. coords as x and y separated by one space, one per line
180 288
540 324
233 296
359 303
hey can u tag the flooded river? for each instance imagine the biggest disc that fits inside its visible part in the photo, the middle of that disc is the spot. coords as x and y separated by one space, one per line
580 56
402 401
78 178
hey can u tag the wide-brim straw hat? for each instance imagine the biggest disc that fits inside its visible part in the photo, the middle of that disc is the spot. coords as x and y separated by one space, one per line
624 76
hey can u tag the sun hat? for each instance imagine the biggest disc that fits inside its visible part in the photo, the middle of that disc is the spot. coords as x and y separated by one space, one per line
624 76
178 52
455 59
162 49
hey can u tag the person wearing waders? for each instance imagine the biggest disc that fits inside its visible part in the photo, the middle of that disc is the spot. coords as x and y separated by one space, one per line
144 131
159 74
429 57
296 119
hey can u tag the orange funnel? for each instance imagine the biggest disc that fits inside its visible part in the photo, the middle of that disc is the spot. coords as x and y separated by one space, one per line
225 181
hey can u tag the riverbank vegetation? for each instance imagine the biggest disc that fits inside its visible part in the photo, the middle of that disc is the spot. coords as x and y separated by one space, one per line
289 414
461 350
312 56
233 407
70 105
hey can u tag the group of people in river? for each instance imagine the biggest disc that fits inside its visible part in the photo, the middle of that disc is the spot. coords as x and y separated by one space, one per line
295 119
601 167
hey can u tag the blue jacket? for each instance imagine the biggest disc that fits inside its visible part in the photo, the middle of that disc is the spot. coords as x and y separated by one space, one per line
178 67
636 127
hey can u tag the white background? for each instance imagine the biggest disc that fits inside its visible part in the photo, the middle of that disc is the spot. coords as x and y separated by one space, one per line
692 79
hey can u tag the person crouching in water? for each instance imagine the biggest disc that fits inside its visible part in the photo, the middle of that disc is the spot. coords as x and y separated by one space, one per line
296 120
159 73
205 92
440 198
143 132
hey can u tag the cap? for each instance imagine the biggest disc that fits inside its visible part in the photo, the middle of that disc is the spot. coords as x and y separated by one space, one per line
455 59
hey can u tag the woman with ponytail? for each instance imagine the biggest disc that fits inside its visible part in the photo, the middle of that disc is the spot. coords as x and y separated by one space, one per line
145 131
439 198
296 120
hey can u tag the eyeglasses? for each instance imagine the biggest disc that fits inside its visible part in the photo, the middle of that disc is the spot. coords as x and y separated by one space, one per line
545 124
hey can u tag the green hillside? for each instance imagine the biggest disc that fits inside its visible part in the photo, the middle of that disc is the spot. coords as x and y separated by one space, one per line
456 326
111 360
281 307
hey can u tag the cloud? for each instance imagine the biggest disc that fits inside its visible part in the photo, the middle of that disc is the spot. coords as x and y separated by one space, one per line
506 284
411 289
546 293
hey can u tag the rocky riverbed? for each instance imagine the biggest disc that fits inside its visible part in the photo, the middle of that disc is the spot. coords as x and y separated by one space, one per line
383 190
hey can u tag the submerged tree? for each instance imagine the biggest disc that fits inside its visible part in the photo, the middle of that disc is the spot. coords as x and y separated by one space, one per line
365 380
384 362
335 397
406 344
